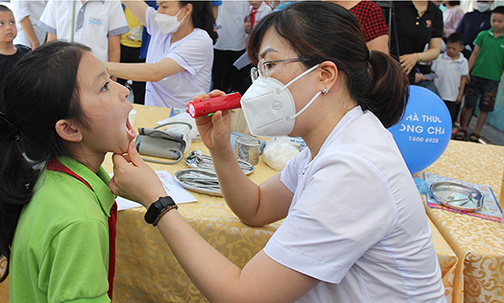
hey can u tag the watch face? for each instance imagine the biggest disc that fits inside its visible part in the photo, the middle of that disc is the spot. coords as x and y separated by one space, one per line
153 212
166 201
156 208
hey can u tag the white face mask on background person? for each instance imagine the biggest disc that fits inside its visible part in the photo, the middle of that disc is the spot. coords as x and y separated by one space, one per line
168 24
482 6
269 108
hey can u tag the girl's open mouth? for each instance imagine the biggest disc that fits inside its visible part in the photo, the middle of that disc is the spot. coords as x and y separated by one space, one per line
130 130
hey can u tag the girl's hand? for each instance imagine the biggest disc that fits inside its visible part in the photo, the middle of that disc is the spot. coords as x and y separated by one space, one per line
408 62
133 179
215 129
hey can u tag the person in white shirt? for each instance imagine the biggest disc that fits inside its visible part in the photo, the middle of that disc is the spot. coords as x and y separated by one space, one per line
28 13
453 69
230 46
98 25
179 59
355 228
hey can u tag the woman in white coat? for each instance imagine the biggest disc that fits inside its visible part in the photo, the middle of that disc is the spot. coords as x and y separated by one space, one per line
179 59
355 229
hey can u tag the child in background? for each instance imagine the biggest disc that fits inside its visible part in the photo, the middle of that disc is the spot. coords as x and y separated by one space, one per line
9 53
452 68
57 215
257 10
485 66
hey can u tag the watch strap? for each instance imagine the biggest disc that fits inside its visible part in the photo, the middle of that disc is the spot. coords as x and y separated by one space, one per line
163 212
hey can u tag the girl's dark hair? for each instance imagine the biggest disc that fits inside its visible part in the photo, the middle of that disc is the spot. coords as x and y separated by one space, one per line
323 31
39 90
202 17
453 3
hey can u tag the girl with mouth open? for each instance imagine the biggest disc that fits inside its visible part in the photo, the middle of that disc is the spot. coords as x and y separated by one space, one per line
62 114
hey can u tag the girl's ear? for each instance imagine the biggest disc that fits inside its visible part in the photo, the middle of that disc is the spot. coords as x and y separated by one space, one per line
68 130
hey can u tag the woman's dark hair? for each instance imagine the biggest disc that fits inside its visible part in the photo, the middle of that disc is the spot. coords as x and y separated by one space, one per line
323 31
39 90
453 3
202 17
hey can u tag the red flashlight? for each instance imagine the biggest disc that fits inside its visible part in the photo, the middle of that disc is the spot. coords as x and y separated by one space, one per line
211 105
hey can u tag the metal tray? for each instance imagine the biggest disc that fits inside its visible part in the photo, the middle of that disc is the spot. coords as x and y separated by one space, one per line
204 162
199 180
457 196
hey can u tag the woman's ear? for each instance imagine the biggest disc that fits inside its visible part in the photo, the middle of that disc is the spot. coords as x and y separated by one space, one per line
188 8
68 130
329 74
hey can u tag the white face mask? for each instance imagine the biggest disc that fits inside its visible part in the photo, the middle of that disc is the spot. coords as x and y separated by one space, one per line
482 6
269 107
168 24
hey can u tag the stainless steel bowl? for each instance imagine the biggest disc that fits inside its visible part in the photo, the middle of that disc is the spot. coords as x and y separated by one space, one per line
457 196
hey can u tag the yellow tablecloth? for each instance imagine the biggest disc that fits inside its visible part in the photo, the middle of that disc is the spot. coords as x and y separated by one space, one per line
146 270
478 243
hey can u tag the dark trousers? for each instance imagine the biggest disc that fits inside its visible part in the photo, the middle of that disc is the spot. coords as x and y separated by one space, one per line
453 108
225 76
132 55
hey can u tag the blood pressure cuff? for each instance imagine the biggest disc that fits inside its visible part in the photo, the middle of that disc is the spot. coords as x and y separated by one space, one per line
160 143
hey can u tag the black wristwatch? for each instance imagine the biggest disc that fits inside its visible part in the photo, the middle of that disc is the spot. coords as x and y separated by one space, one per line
156 209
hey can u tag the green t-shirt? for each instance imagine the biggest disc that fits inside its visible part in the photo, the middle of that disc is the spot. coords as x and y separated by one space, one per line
490 61
60 251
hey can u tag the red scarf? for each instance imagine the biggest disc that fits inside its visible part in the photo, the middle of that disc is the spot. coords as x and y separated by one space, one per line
56 165
252 18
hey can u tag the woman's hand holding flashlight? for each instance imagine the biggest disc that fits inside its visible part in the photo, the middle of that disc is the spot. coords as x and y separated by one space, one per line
215 129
